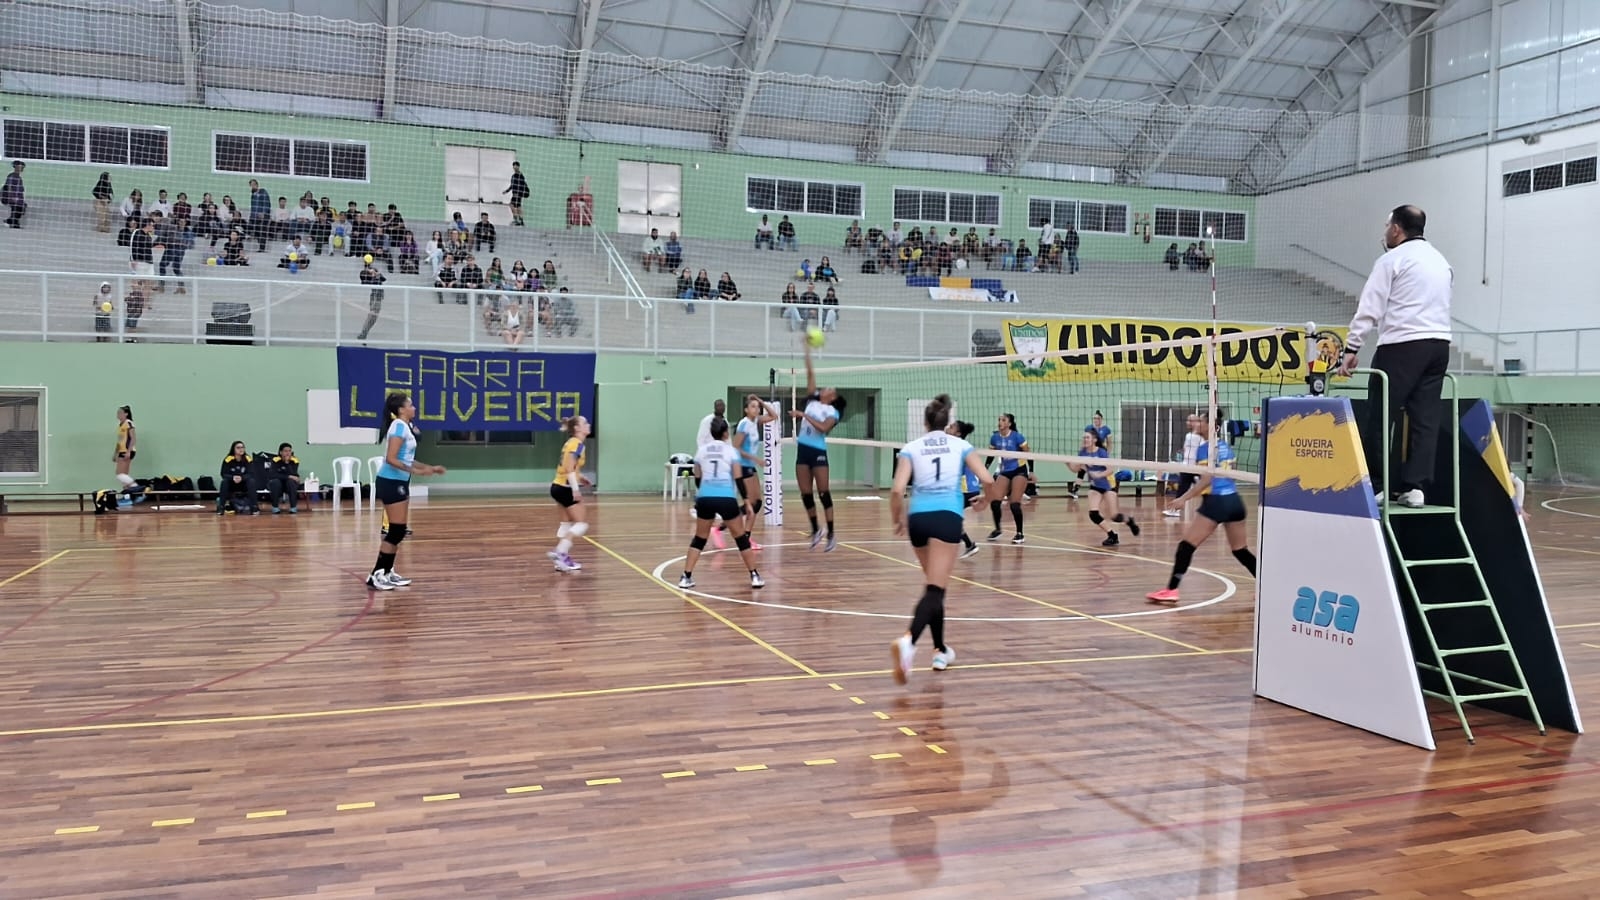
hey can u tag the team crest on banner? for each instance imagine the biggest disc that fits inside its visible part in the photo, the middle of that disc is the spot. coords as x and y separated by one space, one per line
1033 341
1328 346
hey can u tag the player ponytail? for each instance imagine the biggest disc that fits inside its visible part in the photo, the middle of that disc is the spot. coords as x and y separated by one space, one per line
964 429
392 405
937 413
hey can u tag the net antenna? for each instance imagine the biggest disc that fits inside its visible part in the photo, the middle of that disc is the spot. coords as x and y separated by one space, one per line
1211 355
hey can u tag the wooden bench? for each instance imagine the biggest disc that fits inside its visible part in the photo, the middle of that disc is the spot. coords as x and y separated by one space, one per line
84 498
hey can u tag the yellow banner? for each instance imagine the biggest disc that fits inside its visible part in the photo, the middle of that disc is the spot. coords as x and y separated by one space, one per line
1268 360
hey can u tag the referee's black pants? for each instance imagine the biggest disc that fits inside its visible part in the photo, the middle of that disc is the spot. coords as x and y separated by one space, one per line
1415 371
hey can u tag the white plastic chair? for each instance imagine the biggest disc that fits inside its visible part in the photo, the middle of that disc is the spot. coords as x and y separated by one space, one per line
346 471
373 462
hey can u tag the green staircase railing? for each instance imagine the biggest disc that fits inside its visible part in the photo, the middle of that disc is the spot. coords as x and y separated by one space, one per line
1431 609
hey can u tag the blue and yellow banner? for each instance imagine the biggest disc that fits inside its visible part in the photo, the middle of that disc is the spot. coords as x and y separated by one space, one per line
1266 360
1313 459
1478 425
467 391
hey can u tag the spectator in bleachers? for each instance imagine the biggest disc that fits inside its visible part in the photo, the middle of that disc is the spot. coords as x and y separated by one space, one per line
971 244
702 286
471 278
282 220
853 239
1049 257
231 217
1070 243
173 238
1191 257
133 309
182 212
1172 258
825 271
378 247
303 217
459 224
494 277
133 210
650 251
1047 235
804 272
394 226
459 245
511 325
366 226
908 258
830 310
885 262
162 205
993 246
373 279
284 483
446 276
726 289
517 279
260 214
409 257
685 287
103 304
945 260
299 251
896 237
434 252
548 273
518 191
233 250
483 233
786 235
1024 261
339 235
564 314
791 307
326 206
141 250
914 236
206 224
1203 256
764 233
103 196
809 297
234 490
673 251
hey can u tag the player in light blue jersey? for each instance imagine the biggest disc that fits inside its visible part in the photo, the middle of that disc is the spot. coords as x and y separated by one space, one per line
932 467
1107 510
392 486
717 465
1220 504
823 410
750 445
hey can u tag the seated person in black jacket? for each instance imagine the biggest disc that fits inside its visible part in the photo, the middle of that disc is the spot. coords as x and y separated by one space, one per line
483 233
233 482
284 481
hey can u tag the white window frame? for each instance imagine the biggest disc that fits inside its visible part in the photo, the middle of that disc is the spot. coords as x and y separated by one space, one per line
1077 214
808 182
86 126
999 206
1532 190
1215 239
365 145
41 395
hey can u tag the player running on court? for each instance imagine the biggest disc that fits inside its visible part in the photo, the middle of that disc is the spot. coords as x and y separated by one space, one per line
1220 504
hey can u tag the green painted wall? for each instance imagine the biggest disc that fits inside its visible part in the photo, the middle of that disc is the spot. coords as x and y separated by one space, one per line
407 168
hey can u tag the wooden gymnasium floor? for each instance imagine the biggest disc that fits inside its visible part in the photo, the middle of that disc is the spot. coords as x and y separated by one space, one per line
195 708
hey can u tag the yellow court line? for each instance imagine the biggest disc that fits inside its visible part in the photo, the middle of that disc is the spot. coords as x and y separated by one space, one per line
1578 625
741 631
34 568
989 587
460 702
1592 646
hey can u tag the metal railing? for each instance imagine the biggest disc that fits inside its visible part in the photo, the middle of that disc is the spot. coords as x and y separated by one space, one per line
616 263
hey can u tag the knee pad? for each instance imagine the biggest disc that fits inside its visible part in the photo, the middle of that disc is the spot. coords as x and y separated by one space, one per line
742 542
1095 517
578 529
697 543
125 480
755 507
808 501
565 528
395 534
826 498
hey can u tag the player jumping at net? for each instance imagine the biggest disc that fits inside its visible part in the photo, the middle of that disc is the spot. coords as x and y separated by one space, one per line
821 414
932 467
567 490
970 488
1107 511
718 464
393 486
1220 504
756 415
1013 476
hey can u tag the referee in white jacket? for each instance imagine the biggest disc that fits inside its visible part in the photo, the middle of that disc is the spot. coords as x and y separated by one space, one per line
1407 300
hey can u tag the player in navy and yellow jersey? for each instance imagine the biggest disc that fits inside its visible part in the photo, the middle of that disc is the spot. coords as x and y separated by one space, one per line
566 488
1107 511
971 488
1220 504
1013 475
126 450
392 486
821 413
932 467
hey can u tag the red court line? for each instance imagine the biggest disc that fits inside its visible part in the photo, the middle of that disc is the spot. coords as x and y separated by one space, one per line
1065 840
47 607
195 689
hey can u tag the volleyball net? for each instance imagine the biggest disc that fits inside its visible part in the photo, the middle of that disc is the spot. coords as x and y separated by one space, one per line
1061 379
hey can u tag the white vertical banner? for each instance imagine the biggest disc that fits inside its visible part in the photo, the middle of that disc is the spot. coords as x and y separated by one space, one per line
772 465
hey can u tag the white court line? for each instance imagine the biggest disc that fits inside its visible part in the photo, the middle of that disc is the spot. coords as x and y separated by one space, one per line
1229 589
1551 505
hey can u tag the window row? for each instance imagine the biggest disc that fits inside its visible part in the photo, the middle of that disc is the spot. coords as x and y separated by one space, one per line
75 142
1084 215
954 207
259 155
823 198
1200 224
1547 178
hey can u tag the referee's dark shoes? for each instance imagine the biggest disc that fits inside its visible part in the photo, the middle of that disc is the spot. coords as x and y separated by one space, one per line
1407 300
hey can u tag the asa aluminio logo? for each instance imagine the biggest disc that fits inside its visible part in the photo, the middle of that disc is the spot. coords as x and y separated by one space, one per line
1326 616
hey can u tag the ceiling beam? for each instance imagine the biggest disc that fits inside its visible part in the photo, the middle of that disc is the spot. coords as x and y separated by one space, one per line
1274 13
1380 42
588 22
766 21
191 66
1065 78
911 70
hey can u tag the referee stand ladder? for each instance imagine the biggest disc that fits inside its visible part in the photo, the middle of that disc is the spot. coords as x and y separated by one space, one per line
1458 636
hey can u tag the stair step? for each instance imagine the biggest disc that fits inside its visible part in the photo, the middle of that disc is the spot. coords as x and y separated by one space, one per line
1455 561
1460 651
1457 604
1395 509
1492 695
